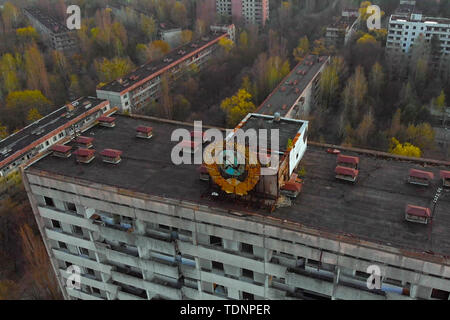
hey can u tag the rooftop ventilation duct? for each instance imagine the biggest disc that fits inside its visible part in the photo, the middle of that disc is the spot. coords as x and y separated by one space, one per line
61 151
85 155
277 117
111 156
144 132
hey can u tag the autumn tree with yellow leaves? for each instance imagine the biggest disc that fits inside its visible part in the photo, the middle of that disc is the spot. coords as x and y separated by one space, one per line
406 149
237 107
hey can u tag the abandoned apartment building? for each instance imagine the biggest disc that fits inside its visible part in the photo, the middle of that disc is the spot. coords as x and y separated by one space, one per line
140 227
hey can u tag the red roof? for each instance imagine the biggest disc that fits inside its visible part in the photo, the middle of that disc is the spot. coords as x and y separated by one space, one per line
418 211
111 153
107 119
84 152
292 186
445 174
347 159
84 140
61 148
346 171
421 174
144 129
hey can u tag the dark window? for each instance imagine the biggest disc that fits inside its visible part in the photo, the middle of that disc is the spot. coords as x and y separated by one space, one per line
440 294
95 290
247 296
215 241
71 207
68 264
248 248
77 230
217 265
164 227
90 271
56 224
247 273
49 202
84 251
62 245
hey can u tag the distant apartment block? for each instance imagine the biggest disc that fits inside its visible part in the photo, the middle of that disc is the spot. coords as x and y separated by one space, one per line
55 34
170 34
298 92
407 24
141 86
342 29
58 127
247 11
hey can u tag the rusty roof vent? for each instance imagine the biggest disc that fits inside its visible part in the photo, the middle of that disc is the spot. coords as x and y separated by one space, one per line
84 142
107 121
417 214
420 177
85 155
61 151
111 156
144 132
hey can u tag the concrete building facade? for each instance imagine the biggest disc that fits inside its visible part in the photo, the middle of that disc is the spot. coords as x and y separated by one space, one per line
55 34
147 229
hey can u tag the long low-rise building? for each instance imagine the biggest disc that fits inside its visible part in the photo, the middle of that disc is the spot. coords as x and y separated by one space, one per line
143 85
145 228
297 93
58 127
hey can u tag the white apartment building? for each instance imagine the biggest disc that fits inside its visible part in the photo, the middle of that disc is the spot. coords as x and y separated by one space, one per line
404 31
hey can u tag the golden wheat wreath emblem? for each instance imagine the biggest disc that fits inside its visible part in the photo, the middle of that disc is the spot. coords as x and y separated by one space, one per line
233 167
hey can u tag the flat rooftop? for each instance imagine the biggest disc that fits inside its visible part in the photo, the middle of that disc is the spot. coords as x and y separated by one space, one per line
287 128
291 88
429 21
148 69
372 209
48 21
44 126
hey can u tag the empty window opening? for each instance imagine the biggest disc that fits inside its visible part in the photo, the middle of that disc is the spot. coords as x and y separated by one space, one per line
247 296
217 265
49 202
78 230
215 241
56 224
247 273
71 207
248 248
